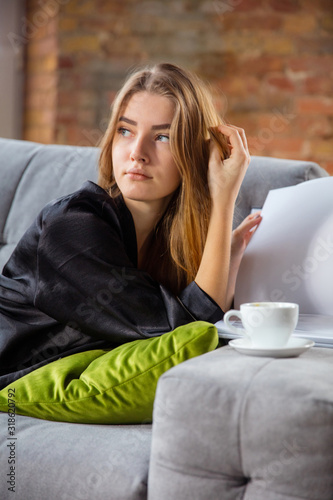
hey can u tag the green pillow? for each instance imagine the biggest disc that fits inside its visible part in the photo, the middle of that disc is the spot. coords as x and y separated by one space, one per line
107 387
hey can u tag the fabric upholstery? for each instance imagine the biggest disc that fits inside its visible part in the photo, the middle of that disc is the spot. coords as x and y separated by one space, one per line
62 461
242 427
31 176
265 174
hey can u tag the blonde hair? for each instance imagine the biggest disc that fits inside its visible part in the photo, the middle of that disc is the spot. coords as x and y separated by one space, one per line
180 236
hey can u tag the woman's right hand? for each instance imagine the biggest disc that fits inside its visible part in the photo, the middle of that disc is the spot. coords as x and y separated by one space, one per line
225 176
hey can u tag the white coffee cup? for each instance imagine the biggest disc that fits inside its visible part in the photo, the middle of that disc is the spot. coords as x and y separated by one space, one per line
266 324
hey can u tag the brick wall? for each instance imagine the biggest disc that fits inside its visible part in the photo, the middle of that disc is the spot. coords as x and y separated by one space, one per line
39 34
270 64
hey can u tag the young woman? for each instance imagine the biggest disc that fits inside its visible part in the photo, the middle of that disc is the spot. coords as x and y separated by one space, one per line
148 249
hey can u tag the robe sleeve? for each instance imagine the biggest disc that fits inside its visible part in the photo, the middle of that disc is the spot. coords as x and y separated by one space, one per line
86 280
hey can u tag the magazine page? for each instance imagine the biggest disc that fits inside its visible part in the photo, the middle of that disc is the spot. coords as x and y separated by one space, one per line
290 257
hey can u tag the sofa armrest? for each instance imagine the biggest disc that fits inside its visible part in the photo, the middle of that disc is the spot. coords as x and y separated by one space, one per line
232 426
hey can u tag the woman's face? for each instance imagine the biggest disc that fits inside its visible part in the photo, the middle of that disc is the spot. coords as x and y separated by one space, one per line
143 165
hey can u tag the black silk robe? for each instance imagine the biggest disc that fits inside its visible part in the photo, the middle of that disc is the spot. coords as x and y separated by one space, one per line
72 284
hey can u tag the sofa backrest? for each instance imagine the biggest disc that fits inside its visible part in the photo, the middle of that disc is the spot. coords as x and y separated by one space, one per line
266 173
33 174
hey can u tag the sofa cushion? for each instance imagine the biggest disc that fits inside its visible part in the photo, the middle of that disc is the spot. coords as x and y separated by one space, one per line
107 387
64 461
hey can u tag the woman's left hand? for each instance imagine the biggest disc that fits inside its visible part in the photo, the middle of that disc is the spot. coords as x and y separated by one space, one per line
241 236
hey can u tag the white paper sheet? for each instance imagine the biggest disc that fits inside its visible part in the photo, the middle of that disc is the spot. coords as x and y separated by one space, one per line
290 257
318 328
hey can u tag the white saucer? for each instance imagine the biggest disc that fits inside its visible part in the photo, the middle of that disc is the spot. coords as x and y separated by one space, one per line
294 347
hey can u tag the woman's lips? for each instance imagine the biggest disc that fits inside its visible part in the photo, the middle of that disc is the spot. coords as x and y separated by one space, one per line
137 175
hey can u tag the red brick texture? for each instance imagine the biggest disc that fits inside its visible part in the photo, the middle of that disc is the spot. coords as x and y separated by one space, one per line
269 62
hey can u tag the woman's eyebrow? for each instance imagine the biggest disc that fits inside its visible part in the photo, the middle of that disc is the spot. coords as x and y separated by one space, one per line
162 126
127 120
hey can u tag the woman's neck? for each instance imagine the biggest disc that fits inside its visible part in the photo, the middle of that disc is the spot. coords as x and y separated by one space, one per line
145 218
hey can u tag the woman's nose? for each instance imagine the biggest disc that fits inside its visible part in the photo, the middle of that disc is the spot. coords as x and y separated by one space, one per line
139 152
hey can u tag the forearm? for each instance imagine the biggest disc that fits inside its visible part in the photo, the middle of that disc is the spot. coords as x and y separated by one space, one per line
233 272
241 237
213 273
215 276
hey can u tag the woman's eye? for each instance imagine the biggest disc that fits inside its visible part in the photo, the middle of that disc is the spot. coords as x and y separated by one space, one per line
124 132
163 138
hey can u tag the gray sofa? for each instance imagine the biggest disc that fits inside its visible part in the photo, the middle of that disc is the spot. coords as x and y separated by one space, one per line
225 426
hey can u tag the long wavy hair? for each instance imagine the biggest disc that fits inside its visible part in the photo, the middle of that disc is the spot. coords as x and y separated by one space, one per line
180 235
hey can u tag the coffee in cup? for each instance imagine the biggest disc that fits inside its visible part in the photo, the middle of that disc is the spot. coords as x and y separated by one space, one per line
266 324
